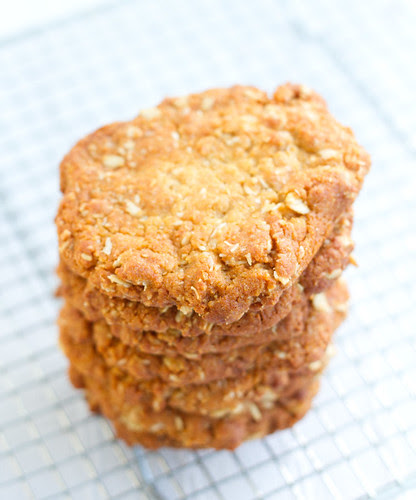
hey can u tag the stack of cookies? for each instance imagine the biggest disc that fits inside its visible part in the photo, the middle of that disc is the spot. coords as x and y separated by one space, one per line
201 248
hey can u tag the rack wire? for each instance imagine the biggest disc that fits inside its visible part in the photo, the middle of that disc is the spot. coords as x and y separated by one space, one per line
60 82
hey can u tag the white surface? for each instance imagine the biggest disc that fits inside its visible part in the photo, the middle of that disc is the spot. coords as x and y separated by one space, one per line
57 84
22 16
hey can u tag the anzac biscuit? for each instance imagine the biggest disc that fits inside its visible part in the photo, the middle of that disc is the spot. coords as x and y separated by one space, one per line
211 203
126 317
194 368
177 429
301 361
228 397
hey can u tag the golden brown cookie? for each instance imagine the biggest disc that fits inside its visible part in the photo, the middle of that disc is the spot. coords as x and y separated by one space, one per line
215 399
126 317
303 358
306 345
210 203
174 428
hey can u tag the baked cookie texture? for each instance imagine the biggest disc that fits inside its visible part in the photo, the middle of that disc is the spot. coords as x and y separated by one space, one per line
326 266
209 203
306 332
201 250
176 429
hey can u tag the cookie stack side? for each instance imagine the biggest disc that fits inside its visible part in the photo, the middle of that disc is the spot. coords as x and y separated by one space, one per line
201 248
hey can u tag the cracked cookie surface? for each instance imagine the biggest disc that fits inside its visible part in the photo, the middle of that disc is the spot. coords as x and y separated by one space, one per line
211 203
131 321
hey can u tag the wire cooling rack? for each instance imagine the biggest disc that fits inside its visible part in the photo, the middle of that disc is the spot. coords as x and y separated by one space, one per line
60 82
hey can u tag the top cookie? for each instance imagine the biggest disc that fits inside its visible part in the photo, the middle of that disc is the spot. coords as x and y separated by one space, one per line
211 202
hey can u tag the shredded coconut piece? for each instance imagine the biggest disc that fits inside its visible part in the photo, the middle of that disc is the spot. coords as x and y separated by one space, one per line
284 281
207 103
186 310
179 423
315 365
336 273
150 113
218 228
158 426
190 355
113 161
327 154
108 246
320 303
255 412
115 279
65 234
280 354
295 203
132 208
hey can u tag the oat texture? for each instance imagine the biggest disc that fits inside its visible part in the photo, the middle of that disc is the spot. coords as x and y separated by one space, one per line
177 429
298 359
211 203
302 344
130 320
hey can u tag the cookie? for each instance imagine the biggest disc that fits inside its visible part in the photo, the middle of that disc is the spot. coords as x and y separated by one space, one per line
212 203
228 397
194 368
176 429
126 317
303 358
214 399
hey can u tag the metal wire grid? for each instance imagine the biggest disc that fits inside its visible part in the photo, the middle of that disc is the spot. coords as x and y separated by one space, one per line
359 440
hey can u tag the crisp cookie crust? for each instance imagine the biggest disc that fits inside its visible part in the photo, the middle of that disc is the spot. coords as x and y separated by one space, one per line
210 203
129 319
307 347
234 398
178 429
305 357
215 399
172 344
